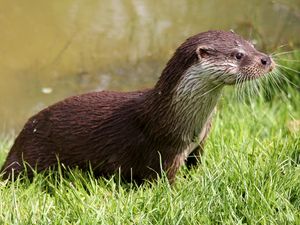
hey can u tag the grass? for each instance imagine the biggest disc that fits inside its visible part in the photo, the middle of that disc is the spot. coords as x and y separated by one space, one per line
250 174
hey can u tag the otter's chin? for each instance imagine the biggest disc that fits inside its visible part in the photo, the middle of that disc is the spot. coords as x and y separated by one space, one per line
245 78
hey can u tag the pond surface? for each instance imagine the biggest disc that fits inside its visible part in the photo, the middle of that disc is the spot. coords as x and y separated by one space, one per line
53 49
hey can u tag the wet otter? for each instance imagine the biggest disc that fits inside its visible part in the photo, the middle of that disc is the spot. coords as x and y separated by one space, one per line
143 132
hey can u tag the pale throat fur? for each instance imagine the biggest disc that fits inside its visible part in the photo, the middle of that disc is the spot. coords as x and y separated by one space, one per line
194 100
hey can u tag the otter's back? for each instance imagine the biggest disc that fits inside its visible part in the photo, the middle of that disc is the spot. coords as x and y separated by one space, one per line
81 129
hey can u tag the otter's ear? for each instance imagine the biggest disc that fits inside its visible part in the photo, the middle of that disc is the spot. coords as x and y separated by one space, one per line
203 51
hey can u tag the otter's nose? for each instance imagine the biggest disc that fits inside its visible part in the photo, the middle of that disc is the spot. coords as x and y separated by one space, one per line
266 60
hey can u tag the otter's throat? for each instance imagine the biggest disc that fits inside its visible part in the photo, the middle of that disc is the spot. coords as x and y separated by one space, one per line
193 101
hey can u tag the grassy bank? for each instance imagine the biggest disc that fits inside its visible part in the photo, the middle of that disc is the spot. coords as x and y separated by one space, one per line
250 174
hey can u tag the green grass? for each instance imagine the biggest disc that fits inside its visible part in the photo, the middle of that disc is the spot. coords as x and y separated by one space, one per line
250 174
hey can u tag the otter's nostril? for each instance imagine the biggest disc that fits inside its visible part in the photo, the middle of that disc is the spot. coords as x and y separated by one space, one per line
266 61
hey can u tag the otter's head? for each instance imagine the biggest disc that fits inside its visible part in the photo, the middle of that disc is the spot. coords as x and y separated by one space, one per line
216 57
230 57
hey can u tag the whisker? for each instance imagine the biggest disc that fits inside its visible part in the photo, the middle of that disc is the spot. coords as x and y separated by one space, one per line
284 53
289 60
278 48
238 86
275 82
287 68
240 89
281 75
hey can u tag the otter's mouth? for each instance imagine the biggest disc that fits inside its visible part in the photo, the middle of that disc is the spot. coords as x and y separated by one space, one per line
241 78
250 73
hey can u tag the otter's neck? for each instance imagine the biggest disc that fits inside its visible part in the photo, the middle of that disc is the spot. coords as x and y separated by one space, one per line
194 99
180 111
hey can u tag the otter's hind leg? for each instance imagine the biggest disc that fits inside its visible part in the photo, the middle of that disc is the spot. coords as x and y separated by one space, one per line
12 167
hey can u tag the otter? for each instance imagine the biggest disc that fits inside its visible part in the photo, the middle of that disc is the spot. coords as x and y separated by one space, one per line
141 133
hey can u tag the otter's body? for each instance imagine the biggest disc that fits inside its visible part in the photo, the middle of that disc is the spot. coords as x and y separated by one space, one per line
137 133
104 130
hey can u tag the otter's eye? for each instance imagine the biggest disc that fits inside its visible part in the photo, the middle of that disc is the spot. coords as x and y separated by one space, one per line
239 55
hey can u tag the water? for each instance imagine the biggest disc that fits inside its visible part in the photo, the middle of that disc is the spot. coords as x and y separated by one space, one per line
53 49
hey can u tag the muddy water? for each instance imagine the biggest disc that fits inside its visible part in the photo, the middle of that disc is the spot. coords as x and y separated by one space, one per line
53 49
